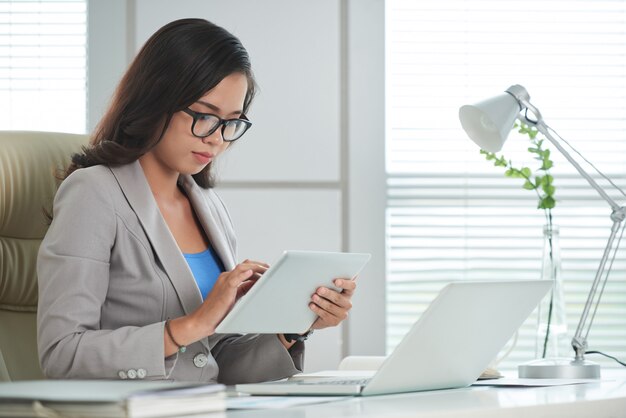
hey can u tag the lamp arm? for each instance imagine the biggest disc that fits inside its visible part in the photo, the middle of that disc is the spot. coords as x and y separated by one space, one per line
543 128
579 341
520 94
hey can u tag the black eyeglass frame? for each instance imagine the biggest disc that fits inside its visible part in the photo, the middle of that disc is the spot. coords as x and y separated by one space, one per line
222 122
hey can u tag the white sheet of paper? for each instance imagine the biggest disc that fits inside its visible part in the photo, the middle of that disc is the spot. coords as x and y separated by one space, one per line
275 402
531 382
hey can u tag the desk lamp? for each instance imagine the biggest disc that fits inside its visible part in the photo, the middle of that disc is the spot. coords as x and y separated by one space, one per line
488 124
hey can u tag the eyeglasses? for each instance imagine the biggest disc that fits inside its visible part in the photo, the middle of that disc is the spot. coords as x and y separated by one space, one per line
204 124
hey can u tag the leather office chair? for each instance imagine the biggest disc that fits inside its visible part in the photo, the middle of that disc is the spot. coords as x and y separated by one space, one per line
28 164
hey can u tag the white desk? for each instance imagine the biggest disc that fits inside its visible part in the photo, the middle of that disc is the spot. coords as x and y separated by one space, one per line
599 399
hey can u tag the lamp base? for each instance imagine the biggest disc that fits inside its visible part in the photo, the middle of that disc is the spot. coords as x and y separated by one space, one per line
559 368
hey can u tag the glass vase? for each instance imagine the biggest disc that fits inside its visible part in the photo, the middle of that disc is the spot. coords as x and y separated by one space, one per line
552 340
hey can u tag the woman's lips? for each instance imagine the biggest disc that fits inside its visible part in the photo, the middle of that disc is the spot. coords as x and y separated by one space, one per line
203 157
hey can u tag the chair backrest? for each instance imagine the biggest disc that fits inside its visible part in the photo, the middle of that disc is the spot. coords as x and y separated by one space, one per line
29 162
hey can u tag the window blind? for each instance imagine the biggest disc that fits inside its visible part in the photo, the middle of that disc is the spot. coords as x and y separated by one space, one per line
43 65
451 215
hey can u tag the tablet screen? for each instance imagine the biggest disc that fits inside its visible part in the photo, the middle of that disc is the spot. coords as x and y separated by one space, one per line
278 302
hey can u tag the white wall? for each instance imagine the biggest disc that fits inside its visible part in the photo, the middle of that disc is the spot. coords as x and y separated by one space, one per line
107 53
309 173
364 162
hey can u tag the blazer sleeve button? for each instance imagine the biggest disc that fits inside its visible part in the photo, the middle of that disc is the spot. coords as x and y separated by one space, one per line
200 360
141 373
132 373
122 375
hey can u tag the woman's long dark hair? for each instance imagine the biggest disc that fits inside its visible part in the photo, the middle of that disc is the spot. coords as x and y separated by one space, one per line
176 67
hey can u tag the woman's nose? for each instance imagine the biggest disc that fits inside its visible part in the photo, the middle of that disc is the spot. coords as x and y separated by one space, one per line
215 138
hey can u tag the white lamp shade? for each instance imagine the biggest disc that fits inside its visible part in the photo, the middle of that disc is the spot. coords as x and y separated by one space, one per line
489 122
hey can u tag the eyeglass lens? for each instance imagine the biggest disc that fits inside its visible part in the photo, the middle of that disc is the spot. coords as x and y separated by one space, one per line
206 125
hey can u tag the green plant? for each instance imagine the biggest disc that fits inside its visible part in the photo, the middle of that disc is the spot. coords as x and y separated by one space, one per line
541 181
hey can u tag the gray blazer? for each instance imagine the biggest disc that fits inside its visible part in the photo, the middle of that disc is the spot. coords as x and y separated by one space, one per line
110 274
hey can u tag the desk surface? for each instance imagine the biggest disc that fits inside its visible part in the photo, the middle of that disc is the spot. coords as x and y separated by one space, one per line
606 398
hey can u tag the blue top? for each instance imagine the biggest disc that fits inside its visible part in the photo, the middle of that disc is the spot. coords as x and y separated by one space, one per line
206 268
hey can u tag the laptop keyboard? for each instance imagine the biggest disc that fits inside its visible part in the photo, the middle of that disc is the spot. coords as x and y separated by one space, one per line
346 382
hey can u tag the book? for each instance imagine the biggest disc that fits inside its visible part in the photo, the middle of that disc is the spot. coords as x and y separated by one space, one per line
109 399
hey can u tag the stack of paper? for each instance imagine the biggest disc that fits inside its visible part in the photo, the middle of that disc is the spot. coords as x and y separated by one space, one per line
104 399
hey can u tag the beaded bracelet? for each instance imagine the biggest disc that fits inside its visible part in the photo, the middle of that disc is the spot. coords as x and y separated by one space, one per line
181 348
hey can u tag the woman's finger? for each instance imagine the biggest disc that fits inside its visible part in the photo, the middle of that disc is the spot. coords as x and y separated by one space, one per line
340 299
260 263
244 287
347 285
331 308
326 318
237 276
257 268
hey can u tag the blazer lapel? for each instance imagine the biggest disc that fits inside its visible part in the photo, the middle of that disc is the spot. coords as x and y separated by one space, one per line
135 187
209 217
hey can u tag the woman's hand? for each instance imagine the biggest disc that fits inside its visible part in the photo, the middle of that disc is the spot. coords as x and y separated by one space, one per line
332 306
229 287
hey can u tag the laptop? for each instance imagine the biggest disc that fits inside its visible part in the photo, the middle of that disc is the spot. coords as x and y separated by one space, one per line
449 346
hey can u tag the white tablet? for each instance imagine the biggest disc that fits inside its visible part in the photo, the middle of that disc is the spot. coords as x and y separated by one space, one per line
279 301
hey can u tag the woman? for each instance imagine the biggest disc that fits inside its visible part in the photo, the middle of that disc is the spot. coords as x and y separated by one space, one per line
138 265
